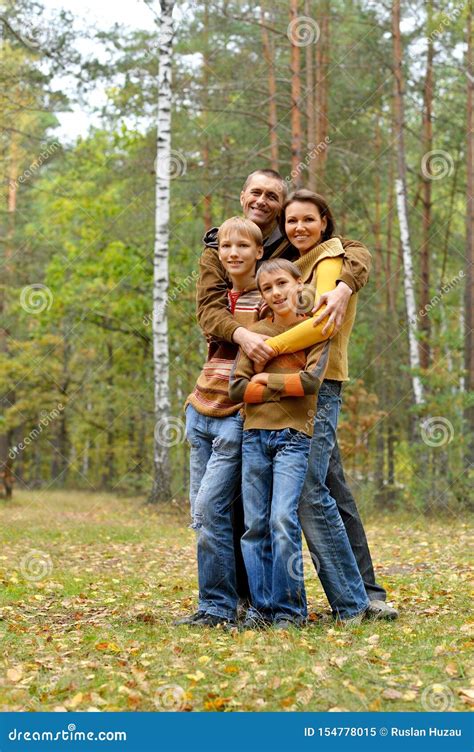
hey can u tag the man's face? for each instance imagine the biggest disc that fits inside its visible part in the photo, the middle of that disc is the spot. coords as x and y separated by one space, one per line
262 200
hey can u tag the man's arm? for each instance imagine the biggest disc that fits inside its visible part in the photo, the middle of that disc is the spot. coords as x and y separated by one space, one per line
214 317
354 275
356 264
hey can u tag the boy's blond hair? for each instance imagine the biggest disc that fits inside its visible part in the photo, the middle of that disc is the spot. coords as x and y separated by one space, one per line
243 226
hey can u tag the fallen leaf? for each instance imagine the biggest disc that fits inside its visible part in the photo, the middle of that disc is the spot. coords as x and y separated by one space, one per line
75 701
15 674
391 694
467 696
196 677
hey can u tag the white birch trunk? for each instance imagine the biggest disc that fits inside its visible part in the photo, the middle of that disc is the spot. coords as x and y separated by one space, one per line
408 277
162 477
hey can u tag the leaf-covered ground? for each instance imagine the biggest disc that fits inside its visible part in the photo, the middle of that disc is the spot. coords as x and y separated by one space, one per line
90 585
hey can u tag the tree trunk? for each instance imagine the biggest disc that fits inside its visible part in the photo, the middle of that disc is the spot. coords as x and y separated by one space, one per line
425 322
322 88
268 55
161 490
402 207
469 289
7 398
206 139
296 171
310 107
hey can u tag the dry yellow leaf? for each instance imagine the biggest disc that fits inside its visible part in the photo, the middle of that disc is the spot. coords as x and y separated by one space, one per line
196 677
76 700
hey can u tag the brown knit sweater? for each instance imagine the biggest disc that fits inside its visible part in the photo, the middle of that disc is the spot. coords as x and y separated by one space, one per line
289 399
210 395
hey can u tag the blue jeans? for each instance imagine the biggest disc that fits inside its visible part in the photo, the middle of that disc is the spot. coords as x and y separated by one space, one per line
320 520
215 472
274 464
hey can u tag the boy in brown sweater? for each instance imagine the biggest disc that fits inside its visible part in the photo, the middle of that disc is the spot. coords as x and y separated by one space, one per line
214 431
279 416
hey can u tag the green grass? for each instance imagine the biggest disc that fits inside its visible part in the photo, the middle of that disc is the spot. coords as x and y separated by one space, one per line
87 623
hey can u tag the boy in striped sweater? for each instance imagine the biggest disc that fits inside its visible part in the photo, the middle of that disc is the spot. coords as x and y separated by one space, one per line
280 406
214 432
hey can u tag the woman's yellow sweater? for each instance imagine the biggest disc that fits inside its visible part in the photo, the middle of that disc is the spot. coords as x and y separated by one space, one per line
320 268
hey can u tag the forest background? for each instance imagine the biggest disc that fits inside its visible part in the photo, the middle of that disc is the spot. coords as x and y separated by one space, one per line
369 103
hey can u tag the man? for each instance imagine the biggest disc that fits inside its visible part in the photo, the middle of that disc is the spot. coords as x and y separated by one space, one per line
261 199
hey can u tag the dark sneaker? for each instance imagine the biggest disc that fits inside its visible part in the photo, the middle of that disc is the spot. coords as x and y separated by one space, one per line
381 610
211 620
191 619
252 621
283 623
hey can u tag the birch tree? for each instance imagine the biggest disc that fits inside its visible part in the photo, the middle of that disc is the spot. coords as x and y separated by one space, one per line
402 205
164 428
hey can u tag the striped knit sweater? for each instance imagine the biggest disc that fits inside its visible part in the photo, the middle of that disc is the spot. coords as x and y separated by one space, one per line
289 399
210 396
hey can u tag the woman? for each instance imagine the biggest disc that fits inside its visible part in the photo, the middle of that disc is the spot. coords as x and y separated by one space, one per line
308 224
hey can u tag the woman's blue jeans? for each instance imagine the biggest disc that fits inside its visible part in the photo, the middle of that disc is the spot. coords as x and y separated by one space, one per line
321 522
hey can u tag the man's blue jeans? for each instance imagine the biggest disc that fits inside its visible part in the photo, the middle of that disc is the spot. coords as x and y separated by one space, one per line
274 465
320 520
215 472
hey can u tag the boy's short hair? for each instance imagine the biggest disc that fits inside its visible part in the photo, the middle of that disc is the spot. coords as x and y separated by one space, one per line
241 225
277 265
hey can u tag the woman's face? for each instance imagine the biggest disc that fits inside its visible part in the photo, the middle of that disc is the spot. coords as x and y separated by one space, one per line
304 225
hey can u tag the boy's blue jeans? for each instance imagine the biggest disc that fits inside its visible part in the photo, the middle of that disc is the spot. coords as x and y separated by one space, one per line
320 520
273 470
215 472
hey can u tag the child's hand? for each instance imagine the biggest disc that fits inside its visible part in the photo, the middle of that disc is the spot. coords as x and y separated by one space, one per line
260 378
